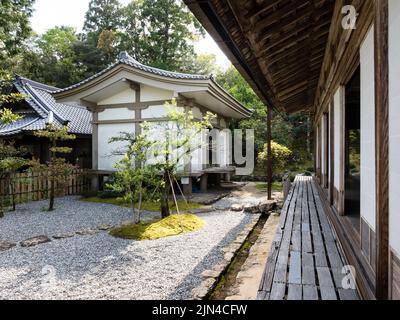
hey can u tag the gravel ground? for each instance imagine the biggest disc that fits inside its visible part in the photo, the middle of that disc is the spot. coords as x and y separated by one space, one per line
100 266
71 215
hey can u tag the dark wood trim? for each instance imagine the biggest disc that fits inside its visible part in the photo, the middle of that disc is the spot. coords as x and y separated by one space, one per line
320 151
350 245
138 111
382 146
269 151
326 137
332 154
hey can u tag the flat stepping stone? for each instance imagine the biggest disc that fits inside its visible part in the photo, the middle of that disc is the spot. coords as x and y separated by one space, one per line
263 207
35 241
63 236
5 245
105 227
237 207
87 232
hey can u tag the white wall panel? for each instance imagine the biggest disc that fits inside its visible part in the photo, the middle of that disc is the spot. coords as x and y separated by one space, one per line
154 112
126 96
394 124
117 114
323 145
368 189
154 94
107 131
338 137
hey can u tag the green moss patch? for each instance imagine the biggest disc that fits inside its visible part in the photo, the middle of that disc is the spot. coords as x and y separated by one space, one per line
173 225
146 206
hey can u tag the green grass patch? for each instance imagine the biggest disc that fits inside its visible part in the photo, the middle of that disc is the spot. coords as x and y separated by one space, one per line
276 186
146 206
173 225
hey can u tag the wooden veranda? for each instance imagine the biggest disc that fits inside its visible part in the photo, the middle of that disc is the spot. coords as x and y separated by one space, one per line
305 262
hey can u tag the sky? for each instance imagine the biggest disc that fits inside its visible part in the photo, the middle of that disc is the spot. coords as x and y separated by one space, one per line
50 13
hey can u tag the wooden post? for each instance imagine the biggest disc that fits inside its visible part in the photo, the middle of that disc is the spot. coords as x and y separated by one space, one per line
269 152
332 153
382 147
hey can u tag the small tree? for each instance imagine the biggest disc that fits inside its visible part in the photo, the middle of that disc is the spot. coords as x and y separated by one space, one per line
10 157
57 169
134 178
181 138
10 162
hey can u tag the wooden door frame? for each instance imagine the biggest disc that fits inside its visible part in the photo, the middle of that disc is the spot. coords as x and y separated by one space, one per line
381 40
332 152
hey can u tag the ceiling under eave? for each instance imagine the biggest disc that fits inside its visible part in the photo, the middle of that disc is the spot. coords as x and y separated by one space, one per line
277 45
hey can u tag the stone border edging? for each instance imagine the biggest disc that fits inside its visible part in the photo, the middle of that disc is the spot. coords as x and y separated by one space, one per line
41 239
212 277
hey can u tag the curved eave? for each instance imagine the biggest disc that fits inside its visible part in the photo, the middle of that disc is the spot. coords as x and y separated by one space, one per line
206 84
217 91
18 129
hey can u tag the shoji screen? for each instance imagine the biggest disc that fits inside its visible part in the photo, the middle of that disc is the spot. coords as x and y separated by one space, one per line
338 193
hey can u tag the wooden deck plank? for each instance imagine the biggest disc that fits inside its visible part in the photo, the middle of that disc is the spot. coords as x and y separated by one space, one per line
310 293
328 293
278 291
324 277
281 273
333 255
296 240
306 242
295 292
306 262
308 269
295 268
348 294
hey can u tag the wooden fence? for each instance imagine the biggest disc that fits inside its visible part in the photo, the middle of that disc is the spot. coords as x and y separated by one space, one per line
34 186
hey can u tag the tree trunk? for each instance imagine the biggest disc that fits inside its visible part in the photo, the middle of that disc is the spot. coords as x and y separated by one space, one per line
1 202
136 212
51 202
12 191
165 212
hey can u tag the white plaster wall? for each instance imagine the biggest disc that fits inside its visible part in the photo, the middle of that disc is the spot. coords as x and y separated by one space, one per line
197 114
394 123
223 124
116 114
368 189
318 147
154 112
224 147
338 136
126 96
323 162
148 93
198 155
107 131
329 147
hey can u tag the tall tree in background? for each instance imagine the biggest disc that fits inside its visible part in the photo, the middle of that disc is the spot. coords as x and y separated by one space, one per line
169 30
53 60
102 15
103 20
14 28
132 29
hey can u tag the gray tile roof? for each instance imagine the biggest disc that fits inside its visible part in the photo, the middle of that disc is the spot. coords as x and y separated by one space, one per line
39 98
126 59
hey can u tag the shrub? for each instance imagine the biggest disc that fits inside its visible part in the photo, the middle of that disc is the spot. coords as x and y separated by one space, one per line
280 156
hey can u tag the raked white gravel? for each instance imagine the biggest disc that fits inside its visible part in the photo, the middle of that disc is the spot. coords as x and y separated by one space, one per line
100 266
